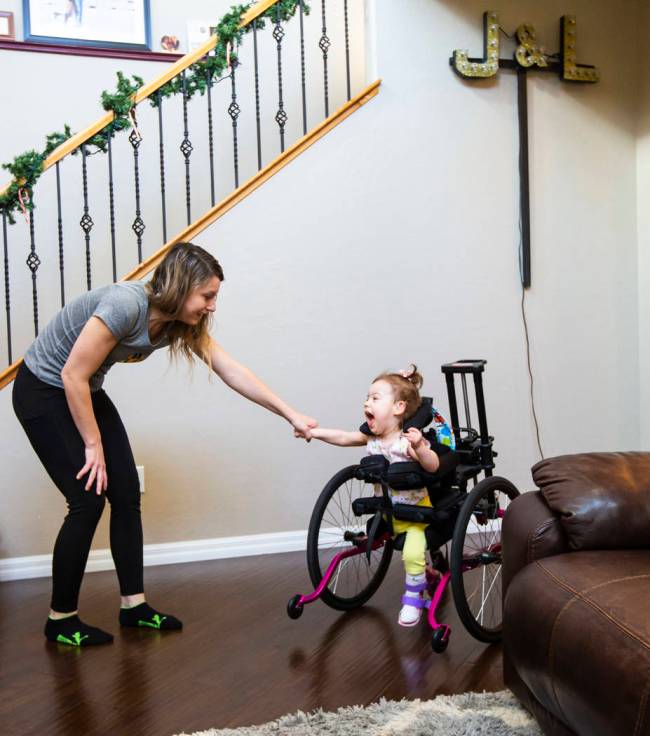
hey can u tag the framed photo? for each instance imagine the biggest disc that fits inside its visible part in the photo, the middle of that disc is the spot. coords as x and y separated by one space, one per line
103 23
169 43
6 25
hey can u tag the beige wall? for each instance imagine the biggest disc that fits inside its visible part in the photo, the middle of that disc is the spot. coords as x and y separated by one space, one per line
395 240
643 159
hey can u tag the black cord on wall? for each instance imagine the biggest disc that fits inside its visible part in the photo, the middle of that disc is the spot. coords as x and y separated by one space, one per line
528 360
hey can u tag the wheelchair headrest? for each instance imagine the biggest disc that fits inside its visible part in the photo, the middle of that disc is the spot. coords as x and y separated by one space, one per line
421 419
423 416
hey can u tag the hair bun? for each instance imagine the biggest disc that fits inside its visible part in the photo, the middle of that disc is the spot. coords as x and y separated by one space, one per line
411 374
407 372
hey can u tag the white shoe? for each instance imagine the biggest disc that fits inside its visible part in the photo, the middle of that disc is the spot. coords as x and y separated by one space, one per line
413 601
409 615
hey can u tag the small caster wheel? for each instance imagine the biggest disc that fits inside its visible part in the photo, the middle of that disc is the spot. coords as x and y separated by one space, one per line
440 639
294 607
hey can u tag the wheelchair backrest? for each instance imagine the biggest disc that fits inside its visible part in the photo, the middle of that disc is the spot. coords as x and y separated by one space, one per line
440 430
427 414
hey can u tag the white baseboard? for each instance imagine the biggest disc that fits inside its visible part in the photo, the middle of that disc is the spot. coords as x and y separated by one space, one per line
39 566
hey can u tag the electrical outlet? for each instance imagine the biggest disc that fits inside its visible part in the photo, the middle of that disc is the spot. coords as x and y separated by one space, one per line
140 469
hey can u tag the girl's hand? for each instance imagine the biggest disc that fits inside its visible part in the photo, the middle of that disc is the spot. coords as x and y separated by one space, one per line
97 466
414 436
301 424
420 450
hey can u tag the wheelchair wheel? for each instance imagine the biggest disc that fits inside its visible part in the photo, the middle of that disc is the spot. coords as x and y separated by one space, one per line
476 558
332 529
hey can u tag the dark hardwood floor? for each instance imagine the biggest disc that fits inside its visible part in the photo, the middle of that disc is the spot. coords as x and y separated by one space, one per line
239 661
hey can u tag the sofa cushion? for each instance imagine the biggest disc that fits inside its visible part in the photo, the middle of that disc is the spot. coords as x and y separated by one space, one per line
577 632
603 498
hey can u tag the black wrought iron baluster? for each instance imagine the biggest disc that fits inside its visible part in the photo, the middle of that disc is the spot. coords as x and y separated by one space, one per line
210 136
324 45
111 206
33 262
86 221
186 150
162 166
60 231
257 98
281 115
233 111
347 47
302 71
7 292
138 225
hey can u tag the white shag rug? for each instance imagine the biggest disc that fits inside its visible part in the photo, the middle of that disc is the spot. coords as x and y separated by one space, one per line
469 714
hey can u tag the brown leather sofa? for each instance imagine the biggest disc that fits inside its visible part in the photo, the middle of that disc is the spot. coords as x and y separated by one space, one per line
576 581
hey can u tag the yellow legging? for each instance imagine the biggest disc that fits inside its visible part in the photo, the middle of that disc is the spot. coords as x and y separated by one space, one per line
415 544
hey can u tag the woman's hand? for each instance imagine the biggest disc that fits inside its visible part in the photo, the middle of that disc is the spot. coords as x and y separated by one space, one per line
301 424
97 466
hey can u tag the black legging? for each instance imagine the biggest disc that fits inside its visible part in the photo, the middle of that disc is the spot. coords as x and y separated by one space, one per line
44 414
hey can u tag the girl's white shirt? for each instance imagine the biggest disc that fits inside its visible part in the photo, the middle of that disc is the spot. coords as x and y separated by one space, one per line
396 452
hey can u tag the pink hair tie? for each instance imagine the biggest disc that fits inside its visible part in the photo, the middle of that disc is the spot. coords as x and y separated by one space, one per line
22 203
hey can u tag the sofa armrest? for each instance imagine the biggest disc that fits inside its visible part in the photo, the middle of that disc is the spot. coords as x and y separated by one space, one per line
600 497
530 531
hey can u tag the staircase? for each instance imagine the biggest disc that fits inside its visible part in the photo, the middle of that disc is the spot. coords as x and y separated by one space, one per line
288 85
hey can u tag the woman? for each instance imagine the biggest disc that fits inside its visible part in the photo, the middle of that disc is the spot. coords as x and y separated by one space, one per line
78 434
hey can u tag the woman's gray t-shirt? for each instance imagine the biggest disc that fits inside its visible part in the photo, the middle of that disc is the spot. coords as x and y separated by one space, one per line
122 307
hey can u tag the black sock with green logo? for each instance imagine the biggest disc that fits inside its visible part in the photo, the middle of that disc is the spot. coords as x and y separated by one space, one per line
73 631
147 617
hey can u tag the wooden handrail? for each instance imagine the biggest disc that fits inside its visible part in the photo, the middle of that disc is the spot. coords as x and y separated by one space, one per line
8 375
147 90
236 196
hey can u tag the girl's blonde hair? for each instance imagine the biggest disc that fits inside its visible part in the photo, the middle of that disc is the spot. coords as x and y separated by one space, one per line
406 387
185 268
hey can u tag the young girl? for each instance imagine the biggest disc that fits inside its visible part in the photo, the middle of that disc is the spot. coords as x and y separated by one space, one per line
394 398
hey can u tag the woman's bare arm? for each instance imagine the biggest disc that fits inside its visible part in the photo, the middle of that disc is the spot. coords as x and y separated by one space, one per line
241 379
89 351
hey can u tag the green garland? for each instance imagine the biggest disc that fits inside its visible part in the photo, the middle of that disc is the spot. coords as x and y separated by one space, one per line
229 33
27 167
120 103
26 170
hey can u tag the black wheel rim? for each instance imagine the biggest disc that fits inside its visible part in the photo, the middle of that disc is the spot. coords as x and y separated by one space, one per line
477 558
333 517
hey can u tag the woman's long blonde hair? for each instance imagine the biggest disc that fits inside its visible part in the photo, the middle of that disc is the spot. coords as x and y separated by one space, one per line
185 268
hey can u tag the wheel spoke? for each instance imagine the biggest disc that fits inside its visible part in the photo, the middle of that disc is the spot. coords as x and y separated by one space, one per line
485 597
356 573
476 558
480 613
337 575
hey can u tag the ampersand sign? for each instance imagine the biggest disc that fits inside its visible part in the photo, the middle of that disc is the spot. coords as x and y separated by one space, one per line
528 53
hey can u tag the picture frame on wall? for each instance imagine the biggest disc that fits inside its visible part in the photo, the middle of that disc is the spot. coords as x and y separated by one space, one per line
7 25
122 24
